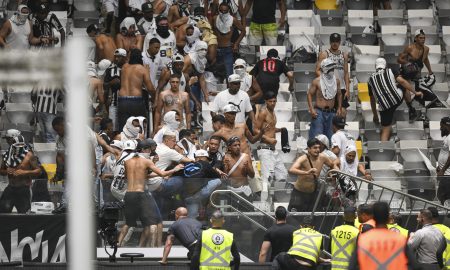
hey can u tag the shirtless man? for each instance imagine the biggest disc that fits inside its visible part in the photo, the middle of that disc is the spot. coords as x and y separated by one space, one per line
95 87
179 9
161 7
223 28
326 90
173 99
195 64
104 44
129 37
270 158
134 75
308 168
139 203
21 165
239 174
241 131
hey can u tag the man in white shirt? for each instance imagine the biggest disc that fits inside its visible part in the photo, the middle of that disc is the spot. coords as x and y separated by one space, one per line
147 23
236 97
443 169
165 36
152 59
341 138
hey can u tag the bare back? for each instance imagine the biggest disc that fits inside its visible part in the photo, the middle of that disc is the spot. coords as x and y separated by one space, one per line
239 177
132 80
136 172
105 47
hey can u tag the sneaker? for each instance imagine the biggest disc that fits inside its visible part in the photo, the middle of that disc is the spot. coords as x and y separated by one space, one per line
412 114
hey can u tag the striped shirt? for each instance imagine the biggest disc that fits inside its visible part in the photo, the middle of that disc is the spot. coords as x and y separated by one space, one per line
111 73
384 86
46 99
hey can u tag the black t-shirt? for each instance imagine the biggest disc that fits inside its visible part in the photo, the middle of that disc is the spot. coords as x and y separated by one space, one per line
216 160
264 11
280 238
267 73
196 175
186 230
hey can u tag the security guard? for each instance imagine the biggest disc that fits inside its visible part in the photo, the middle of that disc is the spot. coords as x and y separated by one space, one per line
446 232
343 240
394 220
218 249
380 248
305 251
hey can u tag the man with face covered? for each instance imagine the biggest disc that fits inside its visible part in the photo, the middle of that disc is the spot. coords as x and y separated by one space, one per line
195 65
17 32
166 38
249 83
128 38
147 23
171 122
325 89
44 24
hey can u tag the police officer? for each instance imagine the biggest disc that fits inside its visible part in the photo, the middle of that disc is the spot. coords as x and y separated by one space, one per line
394 220
218 250
305 251
380 248
343 240
446 232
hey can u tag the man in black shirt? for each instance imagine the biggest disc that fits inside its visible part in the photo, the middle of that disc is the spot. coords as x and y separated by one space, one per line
278 237
215 156
267 73
263 24
43 25
185 229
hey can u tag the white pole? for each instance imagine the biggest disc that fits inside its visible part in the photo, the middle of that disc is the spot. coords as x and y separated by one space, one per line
80 222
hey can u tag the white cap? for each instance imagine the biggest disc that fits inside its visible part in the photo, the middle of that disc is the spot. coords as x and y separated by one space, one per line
419 32
11 133
177 58
323 139
130 145
230 108
169 133
117 144
327 64
240 62
120 52
201 153
102 66
380 63
234 78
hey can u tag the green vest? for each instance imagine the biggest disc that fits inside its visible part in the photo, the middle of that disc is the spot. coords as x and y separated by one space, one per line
343 243
306 244
215 253
397 228
446 256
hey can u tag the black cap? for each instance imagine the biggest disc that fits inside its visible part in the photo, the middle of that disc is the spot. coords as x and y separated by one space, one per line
339 121
147 7
145 144
42 8
272 53
335 37
160 18
445 120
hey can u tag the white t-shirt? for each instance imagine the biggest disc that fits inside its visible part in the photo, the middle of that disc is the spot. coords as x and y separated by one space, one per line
168 45
156 65
240 100
443 154
158 138
246 83
341 139
166 156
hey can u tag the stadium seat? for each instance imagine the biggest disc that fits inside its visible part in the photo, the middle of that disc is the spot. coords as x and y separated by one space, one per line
284 94
446 35
19 113
359 148
417 4
283 111
409 150
422 189
435 54
436 147
442 4
360 18
353 128
396 4
363 92
444 16
438 70
297 36
414 169
390 17
46 152
304 127
384 170
299 17
304 73
441 90
364 71
367 112
302 4
326 31
366 54
358 4
326 4
394 35
248 53
50 169
352 113
431 33
401 114
301 90
264 49
371 131
301 109
383 194
359 38
381 151
82 19
410 131
436 114
331 17
435 130
19 95
420 17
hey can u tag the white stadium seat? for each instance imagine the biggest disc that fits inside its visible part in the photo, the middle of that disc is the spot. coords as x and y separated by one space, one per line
442 4
436 114
410 131
365 54
46 152
381 151
364 71
297 36
435 130
435 54
446 35
394 35
383 170
360 18
283 111
390 17
19 113
409 150
420 17
438 70
299 17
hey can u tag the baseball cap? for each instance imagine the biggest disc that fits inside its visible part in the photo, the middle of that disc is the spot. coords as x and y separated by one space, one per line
130 145
120 52
11 133
445 120
335 37
339 121
117 144
419 32
234 78
177 58
380 63
147 7
42 8
323 139
230 108
102 66
145 144
201 153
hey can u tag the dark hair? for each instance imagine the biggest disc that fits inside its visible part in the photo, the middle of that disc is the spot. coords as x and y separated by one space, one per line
218 118
281 213
160 18
214 137
104 122
313 141
426 214
224 3
190 26
365 209
269 95
174 76
154 40
58 120
135 57
184 133
272 53
199 11
434 212
91 28
381 212
397 218
233 140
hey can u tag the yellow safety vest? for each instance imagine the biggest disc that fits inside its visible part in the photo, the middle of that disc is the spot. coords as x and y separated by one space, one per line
215 253
397 228
343 243
446 256
306 244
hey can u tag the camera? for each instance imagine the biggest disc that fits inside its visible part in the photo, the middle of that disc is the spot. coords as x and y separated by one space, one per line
107 220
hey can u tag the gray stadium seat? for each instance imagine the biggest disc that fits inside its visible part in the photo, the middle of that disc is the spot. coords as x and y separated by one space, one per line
360 18
390 17
414 169
331 17
441 90
301 90
436 146
446 34
366 54
420 17
82 19
422 189
283 111
297 36
302 4
401 114
299 17
444 16
353 128
364 71
394 35
371 131
301 108
360 38
248 53
436 114
304 128
326 31
284 94
357 4
352 113
435 54
409 150
442 4
417 4
385 195
383 170
304 73
439 72
19 113
410 131
435 130
19 96
46 152
381 151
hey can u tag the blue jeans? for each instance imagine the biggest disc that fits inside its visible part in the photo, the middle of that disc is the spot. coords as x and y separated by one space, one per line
323 124
225 56
194 202
168 188
45 124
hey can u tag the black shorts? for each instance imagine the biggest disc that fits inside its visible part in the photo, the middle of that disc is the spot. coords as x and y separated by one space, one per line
387 116
142 206
345 103
20 197
302 201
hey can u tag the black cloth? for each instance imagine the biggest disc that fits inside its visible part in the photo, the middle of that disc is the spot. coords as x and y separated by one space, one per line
186 230
111 73
264 11
280 238
20 197
366 227
267 73
443 192
216 160
285 261
130 106
428 94
387 116
196 175
142 206
285 141
195 261
302 201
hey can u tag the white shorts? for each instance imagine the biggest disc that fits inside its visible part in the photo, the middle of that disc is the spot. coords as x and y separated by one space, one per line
111 6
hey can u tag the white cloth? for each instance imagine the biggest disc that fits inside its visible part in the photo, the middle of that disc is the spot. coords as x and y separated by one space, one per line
328 85
129 131
168 45
341 139
18 38
158 138
147 26
271 162
246 82
198 58
141 123
136 4
119 184
224 23
155 65
443 154
192 40
189 152
325 168
111 6
128 22
167 156
240 100
350 168
246 190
